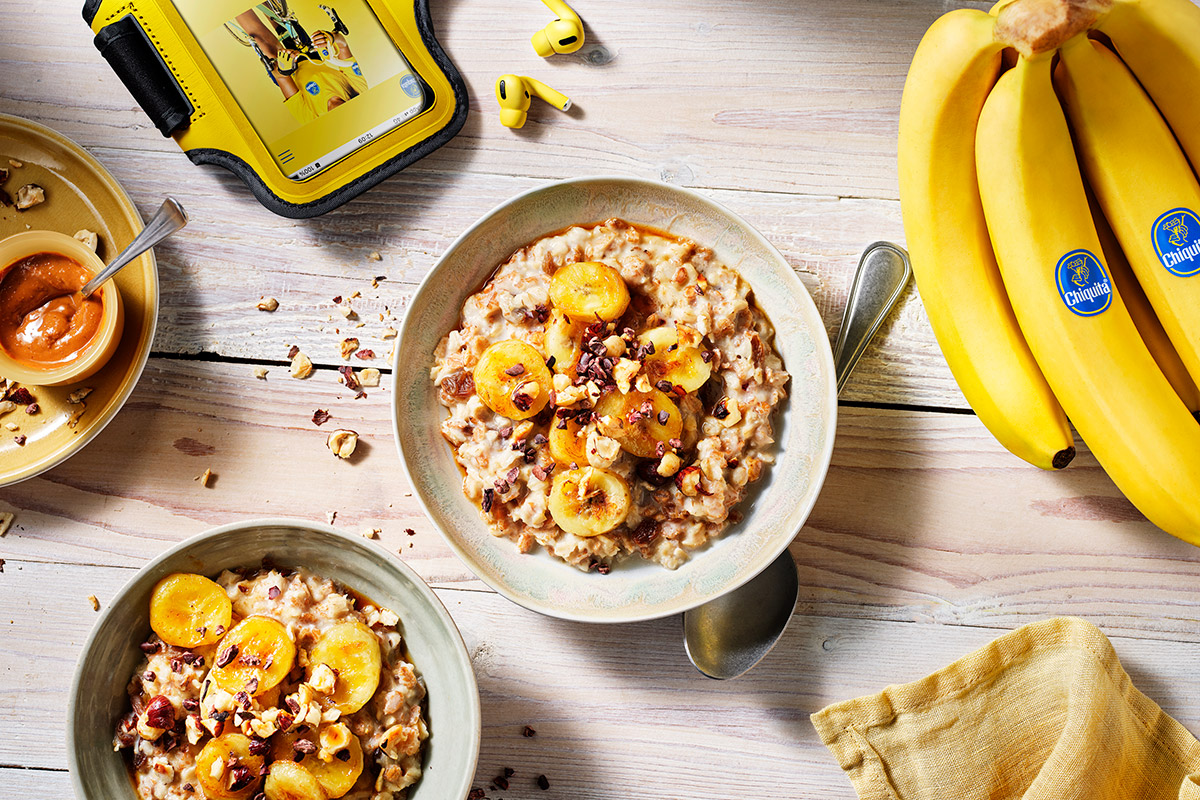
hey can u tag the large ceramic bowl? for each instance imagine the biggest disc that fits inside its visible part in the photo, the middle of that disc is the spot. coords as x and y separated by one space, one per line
635 590
111 654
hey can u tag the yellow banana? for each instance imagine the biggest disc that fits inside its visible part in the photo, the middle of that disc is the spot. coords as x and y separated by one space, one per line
1142 312
1075 322
952 72
1160 41
1143 182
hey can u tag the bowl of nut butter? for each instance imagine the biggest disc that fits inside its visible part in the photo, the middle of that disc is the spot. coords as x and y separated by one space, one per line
50 334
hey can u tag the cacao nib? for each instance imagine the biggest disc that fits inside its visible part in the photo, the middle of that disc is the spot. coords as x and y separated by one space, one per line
542 783
321 416
225 657
488 495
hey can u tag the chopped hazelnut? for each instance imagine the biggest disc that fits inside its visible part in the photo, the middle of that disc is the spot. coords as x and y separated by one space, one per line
205 477
669 465
614 345
369 377
267 304
94 601
12 162
688 480
261 373
29 196
348 346
371 533
624 371
389 333
302 366
374 256
90 239
342 443
76 397
6 520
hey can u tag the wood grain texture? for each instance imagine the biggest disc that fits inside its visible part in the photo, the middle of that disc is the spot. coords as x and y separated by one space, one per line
641 710
953 528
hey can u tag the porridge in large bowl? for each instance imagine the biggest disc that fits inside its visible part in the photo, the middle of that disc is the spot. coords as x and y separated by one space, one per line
275 684
610 392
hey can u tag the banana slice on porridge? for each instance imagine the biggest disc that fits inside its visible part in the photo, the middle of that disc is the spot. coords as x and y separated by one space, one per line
352 652
588 501
588 291
227 770
288 780
678 357
254 656
333 755
513 380
568 441
563 340
644 423
189 610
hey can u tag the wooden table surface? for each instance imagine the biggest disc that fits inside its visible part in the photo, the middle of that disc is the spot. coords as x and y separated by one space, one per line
928 540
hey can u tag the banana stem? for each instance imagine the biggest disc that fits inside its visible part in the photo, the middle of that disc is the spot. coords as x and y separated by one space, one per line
1036 27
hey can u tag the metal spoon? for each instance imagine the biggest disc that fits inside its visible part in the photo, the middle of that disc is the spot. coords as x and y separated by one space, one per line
170 218
725 637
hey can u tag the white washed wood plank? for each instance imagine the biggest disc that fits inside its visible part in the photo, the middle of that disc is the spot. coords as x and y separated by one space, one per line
923 517
618 711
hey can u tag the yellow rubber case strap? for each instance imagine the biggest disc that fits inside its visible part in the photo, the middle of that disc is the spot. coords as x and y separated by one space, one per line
127 49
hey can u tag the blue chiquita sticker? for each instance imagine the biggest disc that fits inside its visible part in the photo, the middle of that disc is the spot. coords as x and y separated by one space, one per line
1083 283
1177 241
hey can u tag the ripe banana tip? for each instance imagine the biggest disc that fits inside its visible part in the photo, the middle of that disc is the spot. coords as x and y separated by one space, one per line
1063 457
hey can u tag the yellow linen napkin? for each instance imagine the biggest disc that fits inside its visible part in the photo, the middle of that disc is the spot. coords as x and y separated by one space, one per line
1043 713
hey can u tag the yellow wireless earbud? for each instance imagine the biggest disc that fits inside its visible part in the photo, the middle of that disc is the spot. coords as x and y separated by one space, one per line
564 35
513 94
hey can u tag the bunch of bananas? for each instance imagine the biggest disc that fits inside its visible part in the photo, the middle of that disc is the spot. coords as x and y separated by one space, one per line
1052 213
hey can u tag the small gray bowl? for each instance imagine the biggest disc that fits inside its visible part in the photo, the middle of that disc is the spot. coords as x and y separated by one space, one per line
111 654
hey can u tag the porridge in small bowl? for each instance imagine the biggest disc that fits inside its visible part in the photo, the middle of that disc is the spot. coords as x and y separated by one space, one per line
275 684
610 392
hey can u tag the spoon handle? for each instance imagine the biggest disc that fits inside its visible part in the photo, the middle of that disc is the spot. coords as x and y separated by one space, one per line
882 273
170 218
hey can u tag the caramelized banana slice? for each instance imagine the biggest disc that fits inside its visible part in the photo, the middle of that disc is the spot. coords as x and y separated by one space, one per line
226 770
352 651
189 610
588 291
643 419
287 780
568 445
513 380
677 358
563 340
337 775
254 656
588 501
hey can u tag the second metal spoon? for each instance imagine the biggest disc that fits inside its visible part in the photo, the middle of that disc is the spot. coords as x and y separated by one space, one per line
725 637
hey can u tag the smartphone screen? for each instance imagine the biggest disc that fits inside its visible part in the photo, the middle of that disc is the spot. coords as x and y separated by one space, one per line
316 80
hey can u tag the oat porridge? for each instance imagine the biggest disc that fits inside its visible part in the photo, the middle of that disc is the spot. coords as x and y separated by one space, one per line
272 684
610 392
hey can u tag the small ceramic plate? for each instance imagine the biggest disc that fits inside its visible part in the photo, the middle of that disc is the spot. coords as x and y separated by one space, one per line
79 194
98 696
774 511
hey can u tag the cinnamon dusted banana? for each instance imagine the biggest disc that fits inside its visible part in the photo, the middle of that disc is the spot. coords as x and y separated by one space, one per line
189 610
288 780
226 769
643 422
588 501
352 651
337 775
678 357
568 441
589 291
563 341
254 656
512 379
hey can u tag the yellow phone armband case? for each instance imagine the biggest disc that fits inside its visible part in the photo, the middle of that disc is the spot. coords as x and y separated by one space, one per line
310 103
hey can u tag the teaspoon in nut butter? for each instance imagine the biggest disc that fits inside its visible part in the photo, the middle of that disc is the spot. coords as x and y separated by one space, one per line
169 219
